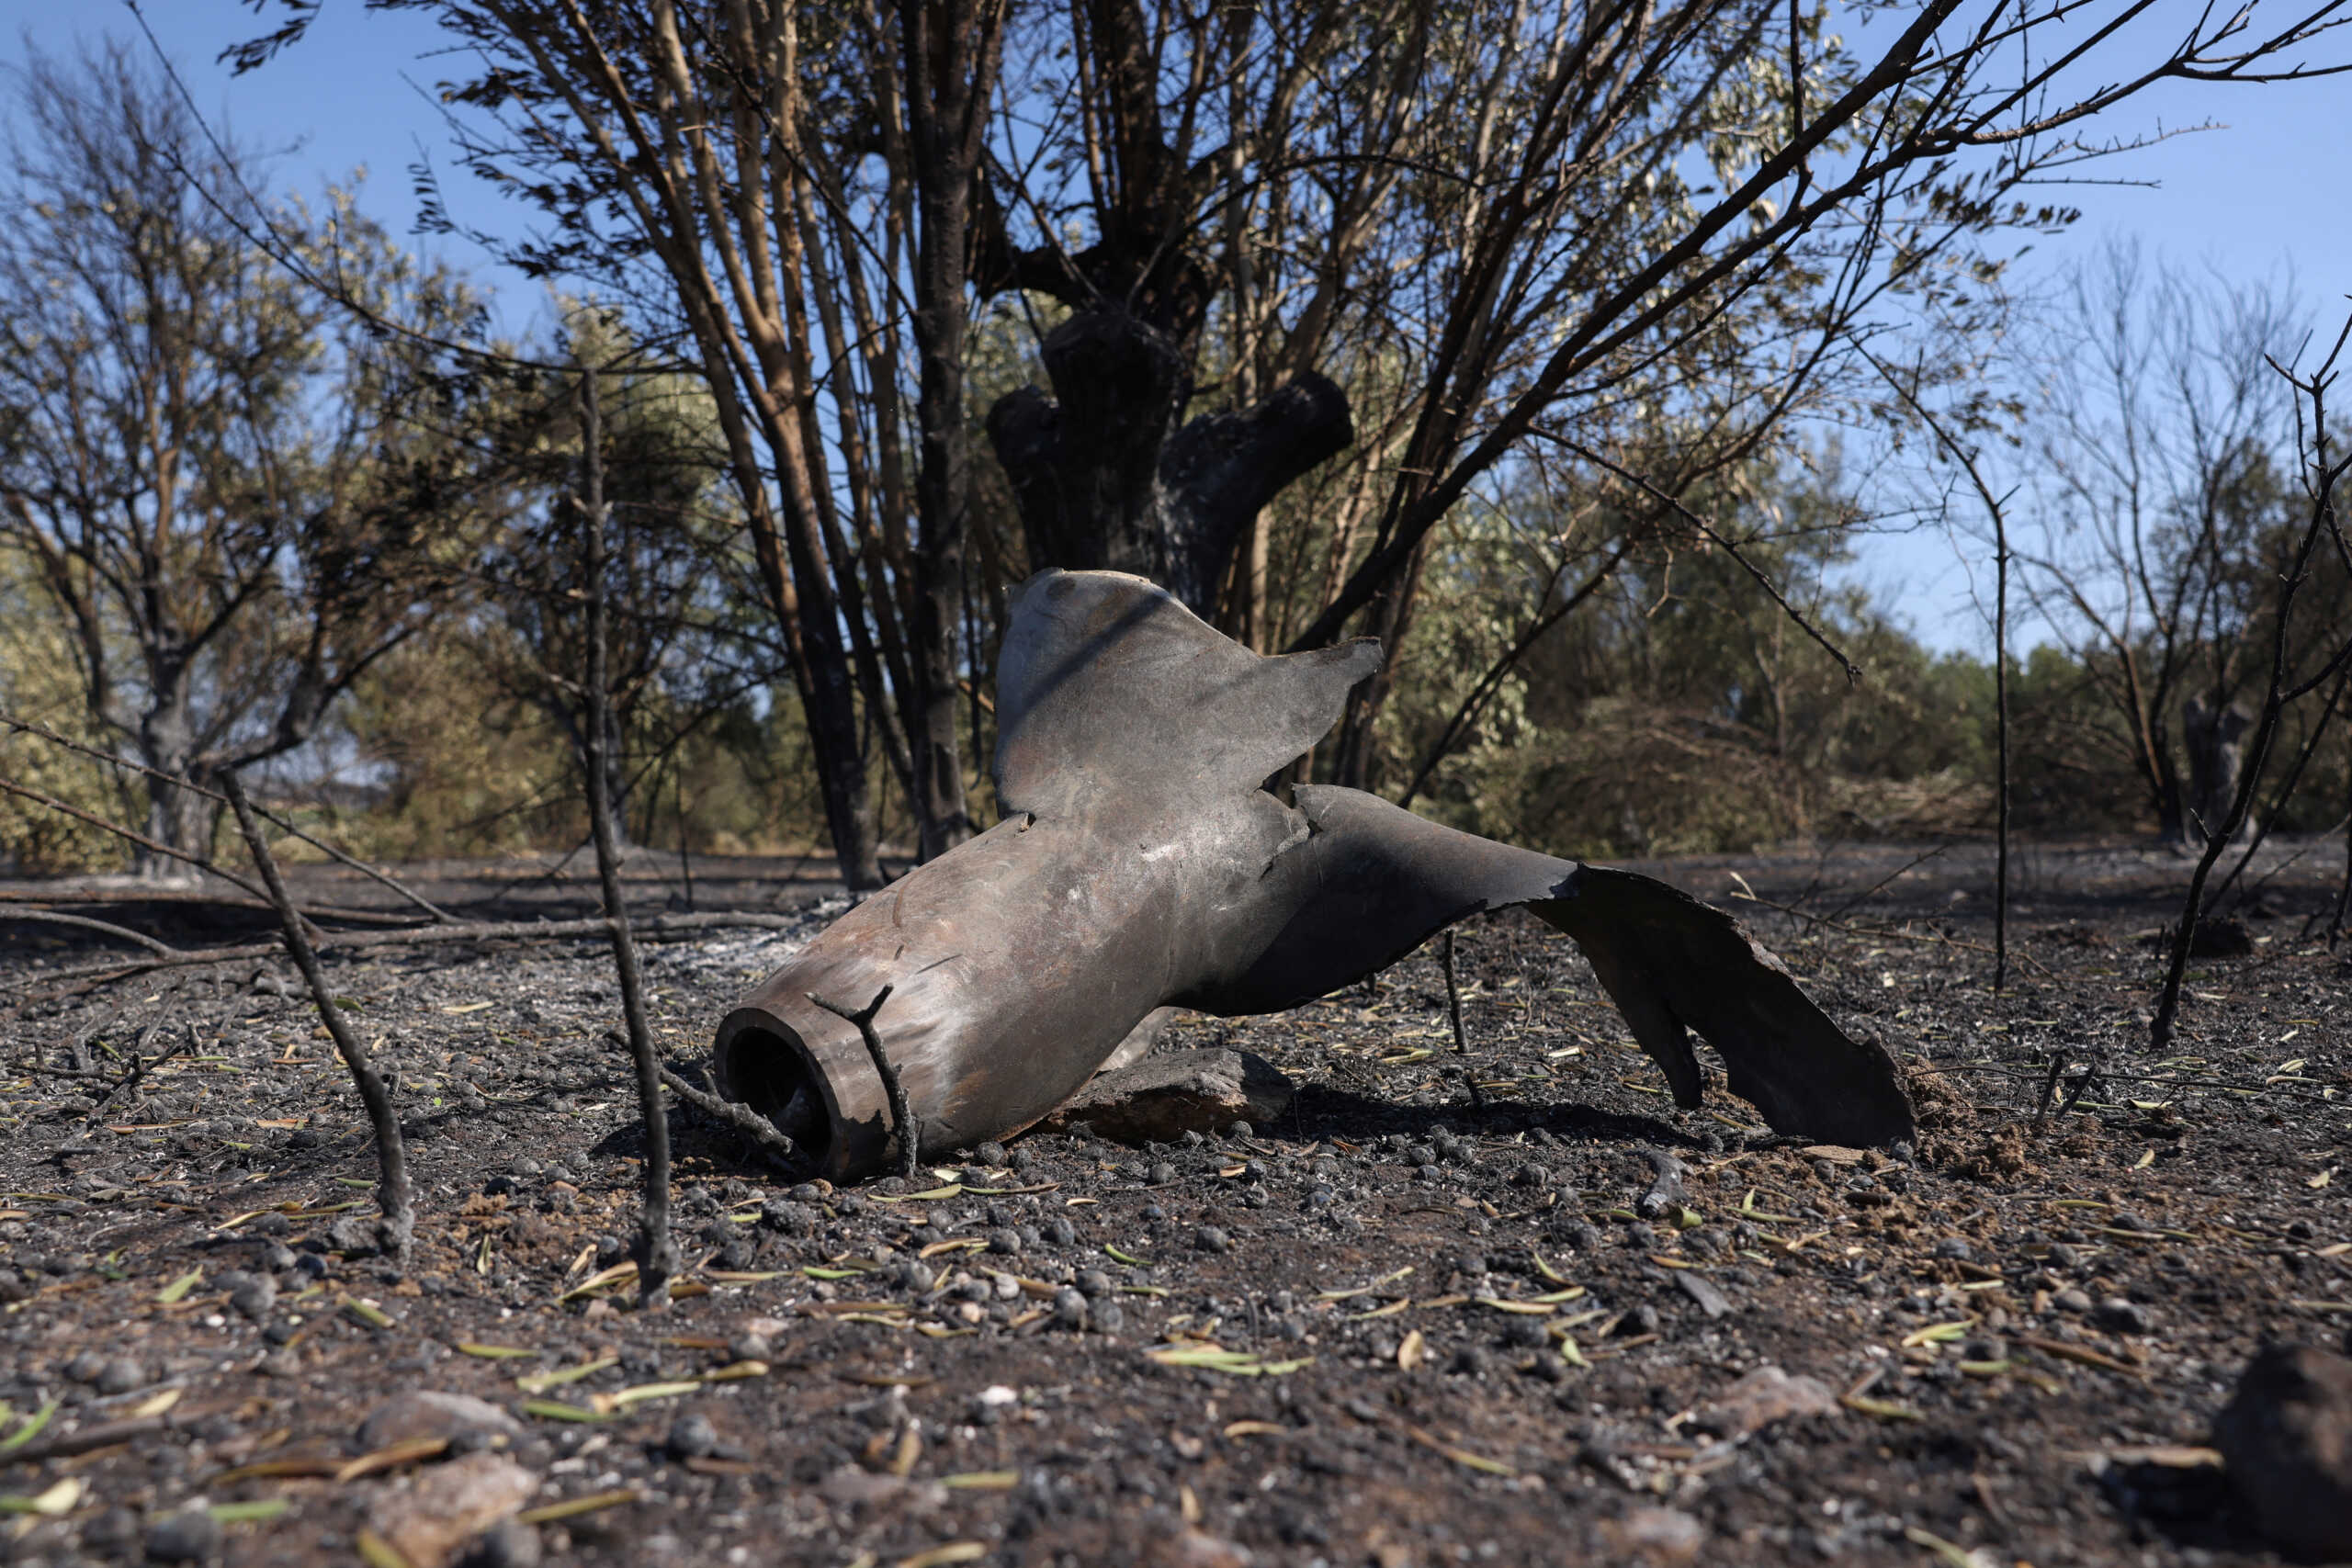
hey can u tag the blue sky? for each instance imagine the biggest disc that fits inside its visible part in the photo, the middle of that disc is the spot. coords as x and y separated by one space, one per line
2261 197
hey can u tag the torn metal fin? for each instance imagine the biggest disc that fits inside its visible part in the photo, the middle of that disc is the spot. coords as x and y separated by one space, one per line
1106 684
1374 882
1668 961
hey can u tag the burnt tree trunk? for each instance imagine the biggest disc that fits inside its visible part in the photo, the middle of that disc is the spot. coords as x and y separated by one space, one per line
1109 475
1107 470
951 50
2215 736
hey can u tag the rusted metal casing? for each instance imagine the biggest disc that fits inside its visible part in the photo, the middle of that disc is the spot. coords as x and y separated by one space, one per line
1140 864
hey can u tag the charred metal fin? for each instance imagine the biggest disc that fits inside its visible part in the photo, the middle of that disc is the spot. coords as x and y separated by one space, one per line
1668 961
1383 881
1108 685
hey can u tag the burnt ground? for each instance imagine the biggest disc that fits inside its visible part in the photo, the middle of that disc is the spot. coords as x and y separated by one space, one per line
2032 1331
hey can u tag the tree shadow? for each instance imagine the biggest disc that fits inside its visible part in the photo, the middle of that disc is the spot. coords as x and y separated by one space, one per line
1321 1111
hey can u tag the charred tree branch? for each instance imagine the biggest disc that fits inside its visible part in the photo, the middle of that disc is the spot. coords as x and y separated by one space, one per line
657 1254
740 1118
392 1195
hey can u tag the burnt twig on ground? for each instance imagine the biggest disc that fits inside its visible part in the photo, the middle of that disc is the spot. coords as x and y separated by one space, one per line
409 936
904 1120
140 1067
741 1118
398 1224
2049 1086
28 726
84 922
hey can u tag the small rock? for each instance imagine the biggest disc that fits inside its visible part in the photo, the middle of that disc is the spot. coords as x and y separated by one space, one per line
1069 1308
2286 1439
1525 1333
429 1412
1957 1248
509 1543
2071 1300
113 1533
1159 1098
83 1366
1167 1543
1209 1238
255 1297
2119 1317
1703 1291
119 1375
1655 1535
1005 1241
692 1437
1579 1234
1763 1396
1109 1316
1666 1184
191 1535
352 1236
277 1257
449 1504
851 1487
750 1347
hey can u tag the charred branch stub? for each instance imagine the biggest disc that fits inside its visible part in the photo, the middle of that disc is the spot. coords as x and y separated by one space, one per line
904 1123
1453 1001
1108 475
1221 469
742 1118
398 1225
1666 1190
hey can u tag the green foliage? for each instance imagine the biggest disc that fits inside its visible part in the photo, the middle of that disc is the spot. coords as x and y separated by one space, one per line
38 683
1682 710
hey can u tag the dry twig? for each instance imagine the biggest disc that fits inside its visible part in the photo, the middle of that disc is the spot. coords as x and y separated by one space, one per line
903 1121
398 1224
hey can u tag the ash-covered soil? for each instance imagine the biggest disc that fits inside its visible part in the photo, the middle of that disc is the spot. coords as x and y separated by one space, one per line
1442 1312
